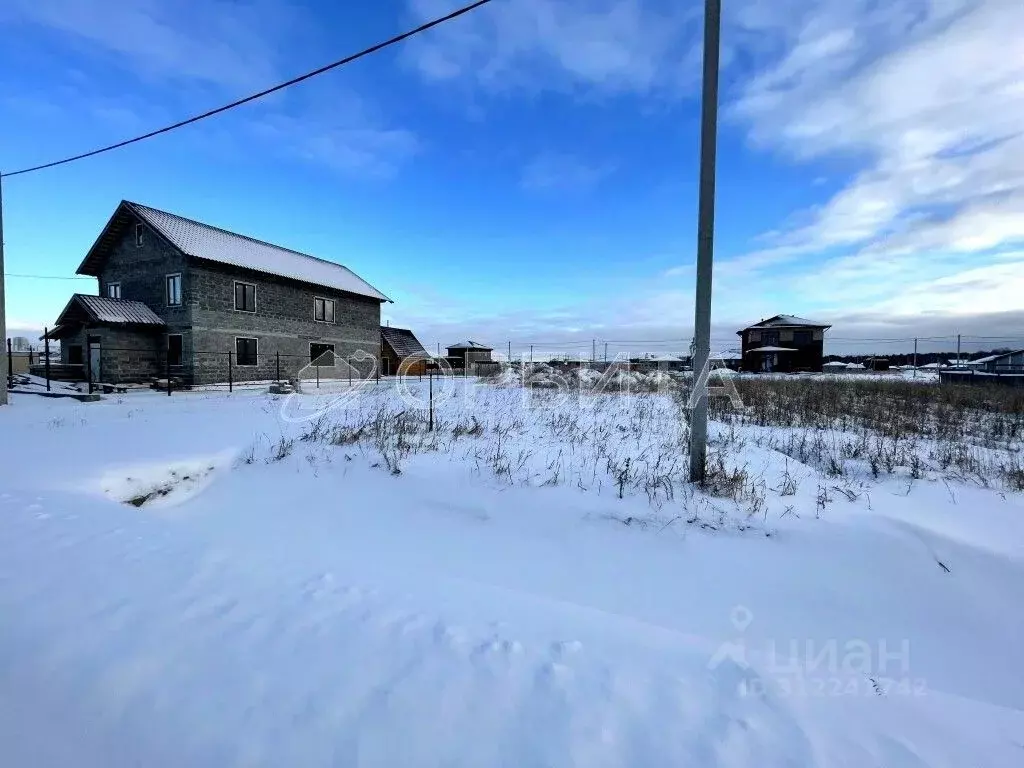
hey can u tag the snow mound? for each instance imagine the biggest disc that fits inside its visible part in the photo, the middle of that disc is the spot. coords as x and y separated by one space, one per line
160 485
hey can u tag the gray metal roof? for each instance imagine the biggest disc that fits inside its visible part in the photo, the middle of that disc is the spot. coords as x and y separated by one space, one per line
470 345
403 342
787 321
203 241
99 309
214 244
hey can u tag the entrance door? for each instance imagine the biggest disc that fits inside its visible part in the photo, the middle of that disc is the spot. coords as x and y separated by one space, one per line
95 359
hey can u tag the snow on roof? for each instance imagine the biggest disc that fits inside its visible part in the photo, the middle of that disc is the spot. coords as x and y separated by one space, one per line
730 355
203 241
771 349
469 345
781 321
100 309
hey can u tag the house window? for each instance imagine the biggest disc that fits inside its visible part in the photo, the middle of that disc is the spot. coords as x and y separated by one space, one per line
323 310
770 339
246 351
245 297
113 290
174 349
802 338
139 229
321 355
75 356
174 290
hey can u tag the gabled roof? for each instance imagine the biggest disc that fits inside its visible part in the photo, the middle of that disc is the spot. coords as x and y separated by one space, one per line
403 342
203 241
786 321
470 345
993 358
83 309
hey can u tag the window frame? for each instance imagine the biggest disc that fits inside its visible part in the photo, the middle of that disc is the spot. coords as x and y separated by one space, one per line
257 355
326 301
114 285
140 231
802 338
181 349
167 289
234 297
76 352
334 354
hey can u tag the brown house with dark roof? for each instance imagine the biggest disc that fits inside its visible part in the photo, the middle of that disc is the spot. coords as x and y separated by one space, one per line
784 343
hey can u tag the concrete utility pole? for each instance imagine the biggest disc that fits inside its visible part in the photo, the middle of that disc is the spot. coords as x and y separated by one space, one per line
958 350
705 241
3 308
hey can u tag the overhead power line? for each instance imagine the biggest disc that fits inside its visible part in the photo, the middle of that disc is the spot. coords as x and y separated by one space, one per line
50 277
287 84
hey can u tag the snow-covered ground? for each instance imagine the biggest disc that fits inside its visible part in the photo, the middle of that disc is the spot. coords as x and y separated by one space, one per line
233 580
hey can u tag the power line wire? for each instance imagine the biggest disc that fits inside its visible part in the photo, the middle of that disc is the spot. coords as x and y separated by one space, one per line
50 277
295 80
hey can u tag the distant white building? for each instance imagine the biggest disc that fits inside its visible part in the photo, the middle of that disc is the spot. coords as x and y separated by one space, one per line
20 344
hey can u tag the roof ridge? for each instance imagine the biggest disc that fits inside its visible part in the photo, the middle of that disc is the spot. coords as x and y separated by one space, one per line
238 234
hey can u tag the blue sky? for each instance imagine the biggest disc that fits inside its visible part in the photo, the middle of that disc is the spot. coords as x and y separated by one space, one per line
529 172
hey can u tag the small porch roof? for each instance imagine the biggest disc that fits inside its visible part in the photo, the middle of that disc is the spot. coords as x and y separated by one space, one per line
100 310
771 349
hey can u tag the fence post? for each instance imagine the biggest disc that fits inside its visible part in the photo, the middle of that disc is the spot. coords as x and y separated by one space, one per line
430 377
88 363
231 383
46 351
278 355
10 363
317 366
167 368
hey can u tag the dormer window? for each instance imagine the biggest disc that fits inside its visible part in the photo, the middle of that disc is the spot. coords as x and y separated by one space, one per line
113 290
139 229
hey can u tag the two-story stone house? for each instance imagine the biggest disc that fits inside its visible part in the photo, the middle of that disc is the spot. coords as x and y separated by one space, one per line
180 296
783 343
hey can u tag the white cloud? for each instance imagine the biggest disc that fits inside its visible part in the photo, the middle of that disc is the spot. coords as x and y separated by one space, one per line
930 97
562 172
610 45
237 45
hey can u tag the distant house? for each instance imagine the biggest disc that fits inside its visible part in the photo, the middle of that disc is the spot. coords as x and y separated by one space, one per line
181 297
783 343
834 366
733 360
466 353
658 363
401 353
1007 362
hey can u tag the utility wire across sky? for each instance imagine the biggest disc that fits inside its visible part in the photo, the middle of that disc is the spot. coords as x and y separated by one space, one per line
259 95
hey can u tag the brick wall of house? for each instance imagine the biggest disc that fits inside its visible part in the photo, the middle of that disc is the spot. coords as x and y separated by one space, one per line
142 273
282 324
